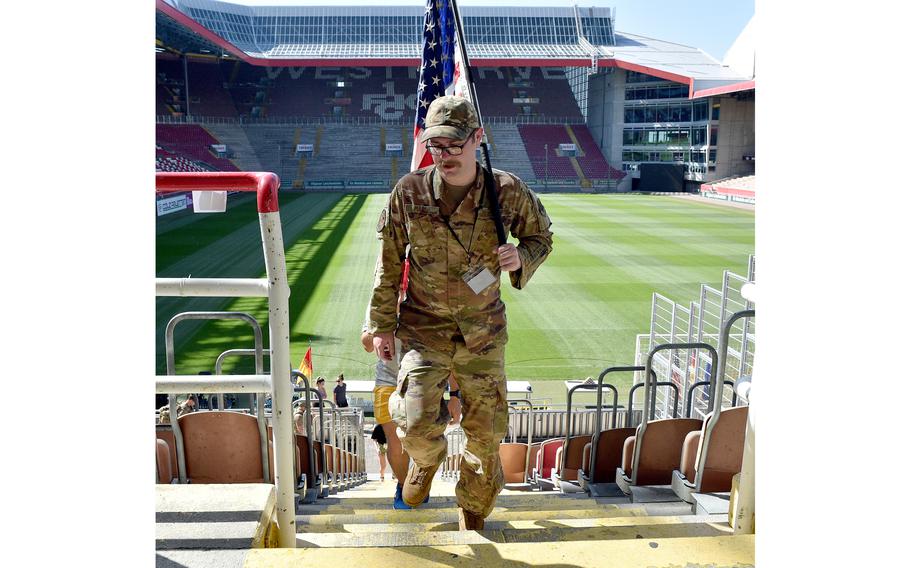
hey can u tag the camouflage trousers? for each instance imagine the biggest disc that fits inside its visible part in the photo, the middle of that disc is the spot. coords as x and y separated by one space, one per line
419 411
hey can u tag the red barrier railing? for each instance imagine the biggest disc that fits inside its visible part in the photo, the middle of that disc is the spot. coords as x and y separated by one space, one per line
265 184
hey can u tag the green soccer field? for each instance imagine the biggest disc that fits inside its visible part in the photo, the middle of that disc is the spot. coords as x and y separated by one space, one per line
579 314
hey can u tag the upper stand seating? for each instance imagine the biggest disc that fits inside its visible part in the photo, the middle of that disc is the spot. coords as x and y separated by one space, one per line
593 163
191 142
546 162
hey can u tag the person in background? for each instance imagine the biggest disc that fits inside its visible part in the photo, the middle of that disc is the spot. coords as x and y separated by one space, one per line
320 386
341 392
187 405
381 446
299 426
386 382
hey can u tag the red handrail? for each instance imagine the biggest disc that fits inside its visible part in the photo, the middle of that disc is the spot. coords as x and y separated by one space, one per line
265 184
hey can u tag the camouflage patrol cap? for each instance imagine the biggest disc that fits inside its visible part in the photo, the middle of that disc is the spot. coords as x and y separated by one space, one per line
450 117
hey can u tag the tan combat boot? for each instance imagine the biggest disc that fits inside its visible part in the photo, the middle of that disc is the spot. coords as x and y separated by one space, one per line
417 484
468 521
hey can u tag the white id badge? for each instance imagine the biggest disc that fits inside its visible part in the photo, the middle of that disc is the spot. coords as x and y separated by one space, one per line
479 278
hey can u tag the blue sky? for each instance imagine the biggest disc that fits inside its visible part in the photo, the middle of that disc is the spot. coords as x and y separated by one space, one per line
710 25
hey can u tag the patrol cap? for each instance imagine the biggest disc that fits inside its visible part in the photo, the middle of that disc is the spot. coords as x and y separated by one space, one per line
450 117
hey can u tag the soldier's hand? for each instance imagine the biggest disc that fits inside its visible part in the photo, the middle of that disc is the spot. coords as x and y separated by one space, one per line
384 345
508 257
367 341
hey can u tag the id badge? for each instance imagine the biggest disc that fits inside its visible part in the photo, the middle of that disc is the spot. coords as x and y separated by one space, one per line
479 278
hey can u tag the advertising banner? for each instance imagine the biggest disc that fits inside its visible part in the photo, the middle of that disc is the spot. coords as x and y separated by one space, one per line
172 204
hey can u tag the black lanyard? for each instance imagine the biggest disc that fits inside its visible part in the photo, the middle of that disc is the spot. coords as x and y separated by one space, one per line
467 249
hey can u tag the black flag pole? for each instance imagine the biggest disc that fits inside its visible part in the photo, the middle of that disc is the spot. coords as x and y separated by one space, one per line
489 180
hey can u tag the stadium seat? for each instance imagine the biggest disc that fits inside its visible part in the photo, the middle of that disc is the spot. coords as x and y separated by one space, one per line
570 459
222 447
609 454
163 461
661 447
514 466
722 458
163 432
546 461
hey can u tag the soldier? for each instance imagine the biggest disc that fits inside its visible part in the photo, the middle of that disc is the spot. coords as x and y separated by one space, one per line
453 320
187 405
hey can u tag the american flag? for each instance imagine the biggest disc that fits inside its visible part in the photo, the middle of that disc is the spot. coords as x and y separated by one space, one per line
441 70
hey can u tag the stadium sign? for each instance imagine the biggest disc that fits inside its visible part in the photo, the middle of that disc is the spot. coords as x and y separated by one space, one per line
393 147
567 147
367 182
171 204
304 147
526 100
220 148
326 183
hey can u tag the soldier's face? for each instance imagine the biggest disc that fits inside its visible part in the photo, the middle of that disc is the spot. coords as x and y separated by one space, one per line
459 169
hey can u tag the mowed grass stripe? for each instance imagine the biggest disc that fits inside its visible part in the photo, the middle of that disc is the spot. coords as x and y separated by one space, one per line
223 245
580 312
593 296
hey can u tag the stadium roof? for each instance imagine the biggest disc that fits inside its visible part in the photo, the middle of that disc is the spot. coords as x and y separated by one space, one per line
342 36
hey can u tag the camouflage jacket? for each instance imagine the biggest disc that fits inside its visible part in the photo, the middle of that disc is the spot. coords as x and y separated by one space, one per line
439 304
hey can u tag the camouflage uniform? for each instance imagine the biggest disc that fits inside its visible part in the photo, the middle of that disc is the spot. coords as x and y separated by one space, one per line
444 326
164 413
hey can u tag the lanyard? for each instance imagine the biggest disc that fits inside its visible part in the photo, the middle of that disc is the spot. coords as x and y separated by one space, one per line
467 249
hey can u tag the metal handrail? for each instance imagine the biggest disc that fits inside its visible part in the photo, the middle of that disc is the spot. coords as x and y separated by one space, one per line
530 430
171 370
653 411
691 395
639 435
274 287
219 362
307 426
323 482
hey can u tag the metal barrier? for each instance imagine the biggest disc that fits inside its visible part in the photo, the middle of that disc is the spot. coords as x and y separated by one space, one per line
219 363
654 384
274 287
695 385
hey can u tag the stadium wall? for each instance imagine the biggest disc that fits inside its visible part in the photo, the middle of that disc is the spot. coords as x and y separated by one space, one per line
606 96
735 138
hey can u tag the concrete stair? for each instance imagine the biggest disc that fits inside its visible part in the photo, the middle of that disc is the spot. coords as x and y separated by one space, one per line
526 528
244 156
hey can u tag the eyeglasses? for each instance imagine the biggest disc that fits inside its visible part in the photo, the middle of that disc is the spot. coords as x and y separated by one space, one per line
453 150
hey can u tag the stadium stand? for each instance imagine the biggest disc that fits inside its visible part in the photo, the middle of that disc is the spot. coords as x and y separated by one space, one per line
541 142
192 142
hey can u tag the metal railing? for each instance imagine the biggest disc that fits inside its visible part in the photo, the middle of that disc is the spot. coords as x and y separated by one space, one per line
355 120
274 287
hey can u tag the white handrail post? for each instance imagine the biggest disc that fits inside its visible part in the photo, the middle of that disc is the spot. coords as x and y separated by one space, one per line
279 340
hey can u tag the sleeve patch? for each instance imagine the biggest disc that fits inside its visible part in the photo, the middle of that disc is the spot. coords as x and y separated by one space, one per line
383 220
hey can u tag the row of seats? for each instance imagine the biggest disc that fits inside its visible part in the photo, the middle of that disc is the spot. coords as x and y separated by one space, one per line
225 447
668 456
190 142
233 89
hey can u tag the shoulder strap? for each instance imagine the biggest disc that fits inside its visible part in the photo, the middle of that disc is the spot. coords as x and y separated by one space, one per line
493 192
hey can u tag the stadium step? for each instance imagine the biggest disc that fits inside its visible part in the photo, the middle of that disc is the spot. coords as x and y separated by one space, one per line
359 525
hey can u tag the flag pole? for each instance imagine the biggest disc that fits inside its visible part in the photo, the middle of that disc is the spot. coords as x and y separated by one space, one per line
488 168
